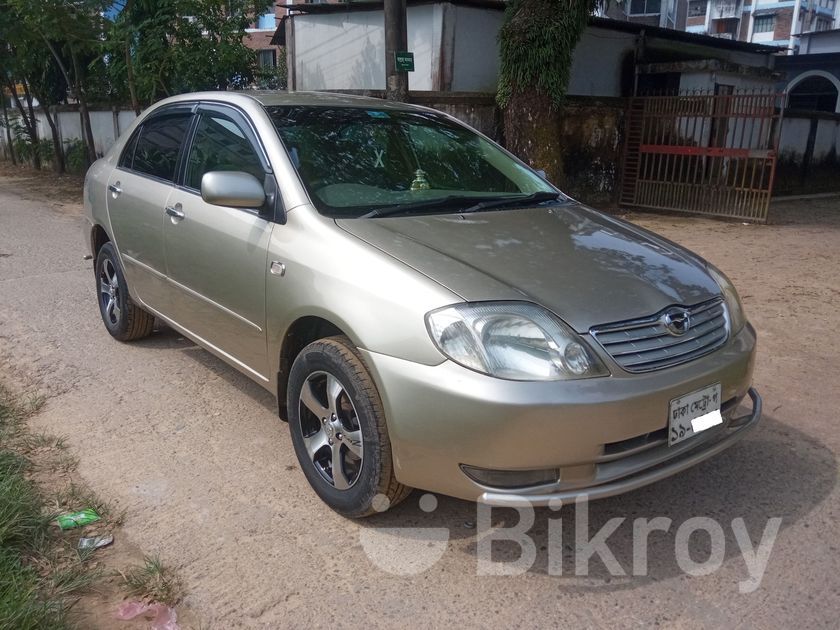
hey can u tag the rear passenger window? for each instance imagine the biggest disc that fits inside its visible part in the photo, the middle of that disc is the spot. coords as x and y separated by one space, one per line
157 147
220 145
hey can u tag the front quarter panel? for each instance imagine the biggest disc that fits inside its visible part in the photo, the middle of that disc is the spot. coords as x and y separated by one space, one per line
377 301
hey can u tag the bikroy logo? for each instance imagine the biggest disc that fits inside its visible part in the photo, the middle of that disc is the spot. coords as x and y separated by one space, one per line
412 550
405 550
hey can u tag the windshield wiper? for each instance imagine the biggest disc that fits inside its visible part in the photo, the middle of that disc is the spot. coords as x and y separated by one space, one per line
460 200
537 197
430 204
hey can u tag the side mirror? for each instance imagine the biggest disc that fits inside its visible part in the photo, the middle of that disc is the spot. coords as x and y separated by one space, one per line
232 188
542 174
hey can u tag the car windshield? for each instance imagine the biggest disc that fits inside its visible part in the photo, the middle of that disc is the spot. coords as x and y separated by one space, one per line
356 162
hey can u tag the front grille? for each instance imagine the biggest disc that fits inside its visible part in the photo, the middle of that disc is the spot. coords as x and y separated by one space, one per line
645 344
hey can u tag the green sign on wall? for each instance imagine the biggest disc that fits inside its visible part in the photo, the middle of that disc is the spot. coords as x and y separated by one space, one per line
404 61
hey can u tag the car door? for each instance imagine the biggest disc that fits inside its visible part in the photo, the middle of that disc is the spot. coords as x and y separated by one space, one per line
216 255
138 189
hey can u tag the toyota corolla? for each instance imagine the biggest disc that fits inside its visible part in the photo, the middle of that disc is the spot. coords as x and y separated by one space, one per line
429 311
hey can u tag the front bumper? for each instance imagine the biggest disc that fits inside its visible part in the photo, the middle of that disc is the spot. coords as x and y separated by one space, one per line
709 443
603 435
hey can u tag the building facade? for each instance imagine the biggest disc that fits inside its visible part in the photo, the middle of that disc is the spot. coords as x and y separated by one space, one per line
455 47
772 22
259 36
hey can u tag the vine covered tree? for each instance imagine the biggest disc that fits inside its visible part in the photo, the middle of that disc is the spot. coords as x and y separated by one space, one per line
537 43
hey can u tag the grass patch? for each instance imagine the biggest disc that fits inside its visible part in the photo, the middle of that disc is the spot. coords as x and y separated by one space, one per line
40 577
153 582
42 571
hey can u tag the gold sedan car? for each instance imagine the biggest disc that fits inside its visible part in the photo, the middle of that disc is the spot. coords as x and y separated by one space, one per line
430 312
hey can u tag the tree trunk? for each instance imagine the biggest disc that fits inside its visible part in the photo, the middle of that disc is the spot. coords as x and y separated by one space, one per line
28 123
132 85
129 64
8 131
537 41
34 139
78 92
532 132
58 150
87 131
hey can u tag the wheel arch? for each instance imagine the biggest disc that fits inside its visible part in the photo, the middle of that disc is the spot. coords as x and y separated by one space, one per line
98 237
299 334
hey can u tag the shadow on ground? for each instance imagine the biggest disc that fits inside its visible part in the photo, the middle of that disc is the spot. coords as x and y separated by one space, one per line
168 338
777 472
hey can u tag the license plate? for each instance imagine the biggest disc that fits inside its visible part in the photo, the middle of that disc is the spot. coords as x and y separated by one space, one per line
692 413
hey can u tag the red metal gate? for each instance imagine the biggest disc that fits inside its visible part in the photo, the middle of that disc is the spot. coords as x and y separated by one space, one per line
702 152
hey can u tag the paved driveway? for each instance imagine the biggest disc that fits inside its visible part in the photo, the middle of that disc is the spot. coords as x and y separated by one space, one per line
197 456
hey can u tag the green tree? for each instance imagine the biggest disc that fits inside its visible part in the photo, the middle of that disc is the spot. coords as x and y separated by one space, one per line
157 48
70 29
537 43
13 53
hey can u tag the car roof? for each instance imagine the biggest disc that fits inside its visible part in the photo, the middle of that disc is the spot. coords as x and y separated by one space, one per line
269 98
272 98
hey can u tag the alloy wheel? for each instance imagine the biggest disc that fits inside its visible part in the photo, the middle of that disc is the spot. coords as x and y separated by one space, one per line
331 431
109 292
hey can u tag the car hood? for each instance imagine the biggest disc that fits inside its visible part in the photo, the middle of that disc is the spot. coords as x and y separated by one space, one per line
587 268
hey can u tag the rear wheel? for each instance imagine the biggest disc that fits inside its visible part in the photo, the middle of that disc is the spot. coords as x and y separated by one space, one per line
122 317
338 430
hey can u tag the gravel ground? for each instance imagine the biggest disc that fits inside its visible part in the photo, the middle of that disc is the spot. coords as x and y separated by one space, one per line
196 455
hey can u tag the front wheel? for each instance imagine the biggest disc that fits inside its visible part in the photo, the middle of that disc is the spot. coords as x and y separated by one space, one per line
122 317
338 430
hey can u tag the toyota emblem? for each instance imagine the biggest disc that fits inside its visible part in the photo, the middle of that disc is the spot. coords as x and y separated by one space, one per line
677 321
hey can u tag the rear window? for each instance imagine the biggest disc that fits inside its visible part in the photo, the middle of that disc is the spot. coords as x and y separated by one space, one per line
158 145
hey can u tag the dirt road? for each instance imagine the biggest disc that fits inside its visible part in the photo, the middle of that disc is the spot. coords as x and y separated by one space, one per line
197 456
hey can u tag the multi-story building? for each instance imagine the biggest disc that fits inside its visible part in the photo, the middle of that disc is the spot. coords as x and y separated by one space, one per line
259 37
650 12
772 22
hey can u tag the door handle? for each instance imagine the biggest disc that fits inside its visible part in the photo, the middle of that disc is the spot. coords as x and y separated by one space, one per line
115 189
174 212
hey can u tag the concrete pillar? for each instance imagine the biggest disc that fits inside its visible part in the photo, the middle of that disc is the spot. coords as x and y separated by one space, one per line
794 26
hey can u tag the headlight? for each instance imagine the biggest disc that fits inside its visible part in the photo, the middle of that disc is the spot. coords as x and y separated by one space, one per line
737 318
512 340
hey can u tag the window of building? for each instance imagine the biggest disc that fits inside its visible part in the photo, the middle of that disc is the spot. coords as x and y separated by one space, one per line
814 93
823 24
645 7
267 58
764 24
267 22
697 8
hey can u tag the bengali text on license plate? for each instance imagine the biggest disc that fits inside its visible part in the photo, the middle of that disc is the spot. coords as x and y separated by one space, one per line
692 413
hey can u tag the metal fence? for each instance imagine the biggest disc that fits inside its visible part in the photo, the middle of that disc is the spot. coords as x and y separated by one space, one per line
701 152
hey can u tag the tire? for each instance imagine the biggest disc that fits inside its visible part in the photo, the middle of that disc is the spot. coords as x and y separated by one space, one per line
122 317
355 438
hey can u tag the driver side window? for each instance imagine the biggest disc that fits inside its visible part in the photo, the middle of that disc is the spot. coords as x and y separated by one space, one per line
220 145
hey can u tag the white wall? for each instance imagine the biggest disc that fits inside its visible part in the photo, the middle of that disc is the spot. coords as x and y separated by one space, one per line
476 48
794 136
105 124
340 51
346 51
827 139
597 63
705 80
821 42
